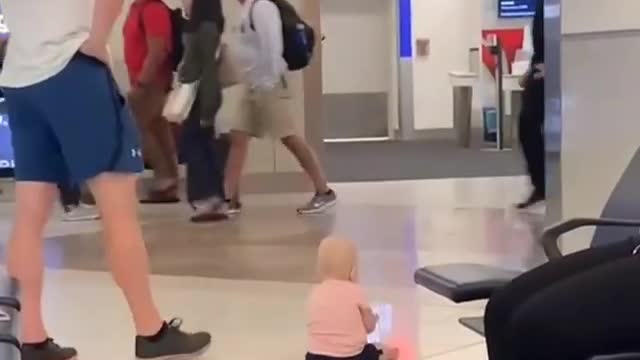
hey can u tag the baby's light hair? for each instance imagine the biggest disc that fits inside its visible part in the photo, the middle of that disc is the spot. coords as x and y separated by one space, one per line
337 259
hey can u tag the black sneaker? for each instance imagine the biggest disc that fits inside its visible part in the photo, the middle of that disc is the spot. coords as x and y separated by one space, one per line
48 350
533 199
173 343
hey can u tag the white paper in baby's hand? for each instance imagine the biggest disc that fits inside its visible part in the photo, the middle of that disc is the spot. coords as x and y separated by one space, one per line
385 323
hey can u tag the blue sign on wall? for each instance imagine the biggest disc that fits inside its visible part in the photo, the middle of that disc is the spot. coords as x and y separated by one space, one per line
405 30
6 150
516 8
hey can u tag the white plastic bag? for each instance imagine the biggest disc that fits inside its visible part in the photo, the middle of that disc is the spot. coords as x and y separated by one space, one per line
179 102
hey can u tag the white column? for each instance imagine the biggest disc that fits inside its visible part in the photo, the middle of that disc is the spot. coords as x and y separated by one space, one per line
600 122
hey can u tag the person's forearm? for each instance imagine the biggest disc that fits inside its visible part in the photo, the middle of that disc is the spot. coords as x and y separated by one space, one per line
369 319
105 13
151 67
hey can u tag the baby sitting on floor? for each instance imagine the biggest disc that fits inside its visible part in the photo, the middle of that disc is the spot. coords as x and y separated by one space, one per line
339 315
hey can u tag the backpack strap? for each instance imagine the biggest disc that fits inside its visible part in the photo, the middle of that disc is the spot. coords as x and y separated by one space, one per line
252 26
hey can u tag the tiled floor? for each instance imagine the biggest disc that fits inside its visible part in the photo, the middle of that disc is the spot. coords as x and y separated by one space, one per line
247 280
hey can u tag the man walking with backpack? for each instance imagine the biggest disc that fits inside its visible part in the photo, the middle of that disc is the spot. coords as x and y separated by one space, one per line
274 40
149 49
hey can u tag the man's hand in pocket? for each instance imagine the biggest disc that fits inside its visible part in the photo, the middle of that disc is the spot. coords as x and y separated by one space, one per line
96 50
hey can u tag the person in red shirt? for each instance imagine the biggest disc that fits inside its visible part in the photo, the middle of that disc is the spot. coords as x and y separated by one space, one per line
147 46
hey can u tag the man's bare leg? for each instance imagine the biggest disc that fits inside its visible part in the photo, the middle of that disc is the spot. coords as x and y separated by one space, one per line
235 162
126 253
34 202
308 160
324 198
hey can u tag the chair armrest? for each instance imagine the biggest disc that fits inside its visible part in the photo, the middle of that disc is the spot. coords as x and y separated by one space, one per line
551 235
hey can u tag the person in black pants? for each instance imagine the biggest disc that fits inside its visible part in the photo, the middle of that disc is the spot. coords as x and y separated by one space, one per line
77 205
205 157
583 305
70 196
531 127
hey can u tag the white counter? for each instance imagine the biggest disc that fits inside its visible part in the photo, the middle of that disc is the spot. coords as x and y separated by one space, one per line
463 79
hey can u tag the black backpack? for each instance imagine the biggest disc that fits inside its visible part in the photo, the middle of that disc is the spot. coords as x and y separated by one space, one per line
299 37
177 27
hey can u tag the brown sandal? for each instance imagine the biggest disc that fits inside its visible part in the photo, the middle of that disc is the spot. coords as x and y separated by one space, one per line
166 196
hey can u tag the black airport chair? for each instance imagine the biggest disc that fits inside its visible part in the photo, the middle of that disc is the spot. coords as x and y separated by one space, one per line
464 282
9 320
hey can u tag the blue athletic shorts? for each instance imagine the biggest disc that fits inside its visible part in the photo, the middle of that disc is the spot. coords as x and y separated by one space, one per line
72 127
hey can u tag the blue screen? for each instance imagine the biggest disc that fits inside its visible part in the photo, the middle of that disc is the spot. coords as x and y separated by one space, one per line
6 150
516 8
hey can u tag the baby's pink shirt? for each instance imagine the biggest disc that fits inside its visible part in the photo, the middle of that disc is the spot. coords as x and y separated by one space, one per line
335 326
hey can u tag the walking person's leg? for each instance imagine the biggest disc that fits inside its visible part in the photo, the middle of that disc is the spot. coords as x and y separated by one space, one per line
169 174
222 147
506 302
275 109
49 139
238 150
308 161
204 185
244 127
71 196
531 134
158 145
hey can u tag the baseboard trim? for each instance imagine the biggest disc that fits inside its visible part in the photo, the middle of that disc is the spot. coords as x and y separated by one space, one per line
427 134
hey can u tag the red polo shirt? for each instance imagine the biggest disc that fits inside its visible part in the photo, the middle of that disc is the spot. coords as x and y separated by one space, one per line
147 18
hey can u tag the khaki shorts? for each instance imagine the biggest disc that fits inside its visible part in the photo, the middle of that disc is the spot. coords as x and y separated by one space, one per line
265 112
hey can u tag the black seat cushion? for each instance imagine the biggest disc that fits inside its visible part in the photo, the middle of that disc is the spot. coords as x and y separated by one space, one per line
10 301
464 282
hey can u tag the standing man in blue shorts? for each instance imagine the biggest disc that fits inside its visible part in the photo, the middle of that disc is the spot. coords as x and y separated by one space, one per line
70 124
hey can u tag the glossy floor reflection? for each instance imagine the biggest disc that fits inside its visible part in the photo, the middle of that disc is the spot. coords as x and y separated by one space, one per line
247 280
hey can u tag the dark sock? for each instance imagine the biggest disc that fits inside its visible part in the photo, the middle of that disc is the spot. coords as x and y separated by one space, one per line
40 345
158 335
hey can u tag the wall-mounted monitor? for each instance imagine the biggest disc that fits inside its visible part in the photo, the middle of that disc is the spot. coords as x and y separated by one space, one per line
6 150
516 8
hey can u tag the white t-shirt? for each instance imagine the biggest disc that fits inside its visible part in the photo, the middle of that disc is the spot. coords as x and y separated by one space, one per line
44 36
259 52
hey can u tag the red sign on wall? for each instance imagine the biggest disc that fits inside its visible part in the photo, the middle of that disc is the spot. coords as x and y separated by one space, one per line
512 40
